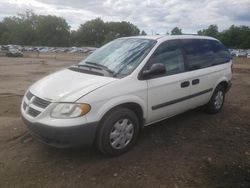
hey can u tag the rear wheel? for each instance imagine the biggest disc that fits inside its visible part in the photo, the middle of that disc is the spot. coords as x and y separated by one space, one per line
118 132
217 100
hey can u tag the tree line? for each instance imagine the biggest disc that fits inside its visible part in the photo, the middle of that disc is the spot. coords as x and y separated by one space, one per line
233 37
40 30
32 29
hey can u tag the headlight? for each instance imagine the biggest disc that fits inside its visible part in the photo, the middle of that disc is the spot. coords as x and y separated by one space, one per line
70 110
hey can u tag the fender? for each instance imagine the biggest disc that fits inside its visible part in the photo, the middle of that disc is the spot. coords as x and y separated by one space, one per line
121 100
103 108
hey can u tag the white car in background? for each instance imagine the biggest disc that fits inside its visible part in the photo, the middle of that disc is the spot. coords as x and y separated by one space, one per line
241 54
14 53
125 85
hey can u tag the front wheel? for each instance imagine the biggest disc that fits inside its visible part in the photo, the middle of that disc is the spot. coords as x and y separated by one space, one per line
217 100
118 132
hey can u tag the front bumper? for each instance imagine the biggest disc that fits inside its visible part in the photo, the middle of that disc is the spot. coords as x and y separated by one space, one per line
63 137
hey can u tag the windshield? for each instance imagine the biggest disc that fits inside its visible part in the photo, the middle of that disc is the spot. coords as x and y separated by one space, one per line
120 56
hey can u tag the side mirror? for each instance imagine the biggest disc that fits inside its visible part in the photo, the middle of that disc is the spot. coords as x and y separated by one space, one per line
156 70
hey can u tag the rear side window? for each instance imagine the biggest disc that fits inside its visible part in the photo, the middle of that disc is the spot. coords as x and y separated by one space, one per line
202 53
169 53
199 53
221 54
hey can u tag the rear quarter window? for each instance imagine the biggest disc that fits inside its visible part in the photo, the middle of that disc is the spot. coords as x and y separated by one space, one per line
221 54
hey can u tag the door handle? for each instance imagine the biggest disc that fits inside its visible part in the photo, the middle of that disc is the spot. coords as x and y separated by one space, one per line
185 84
195 81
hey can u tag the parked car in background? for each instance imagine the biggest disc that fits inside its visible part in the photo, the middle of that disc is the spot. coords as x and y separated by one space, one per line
4 47
14 53
233 54
241 54
125 85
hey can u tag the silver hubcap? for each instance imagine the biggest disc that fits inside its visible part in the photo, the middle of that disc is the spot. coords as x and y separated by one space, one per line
121 134
218 100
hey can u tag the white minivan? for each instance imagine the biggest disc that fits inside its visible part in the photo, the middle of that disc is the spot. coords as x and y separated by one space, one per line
125 85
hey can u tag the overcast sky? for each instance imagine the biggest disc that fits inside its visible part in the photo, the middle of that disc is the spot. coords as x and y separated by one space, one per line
153 16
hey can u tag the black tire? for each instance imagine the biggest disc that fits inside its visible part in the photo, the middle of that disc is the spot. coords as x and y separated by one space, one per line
212 106
107 125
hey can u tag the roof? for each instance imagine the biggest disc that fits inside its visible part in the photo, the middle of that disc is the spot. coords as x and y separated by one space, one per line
153 37
170 37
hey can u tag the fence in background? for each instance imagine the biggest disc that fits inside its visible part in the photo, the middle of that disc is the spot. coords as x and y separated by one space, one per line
53 55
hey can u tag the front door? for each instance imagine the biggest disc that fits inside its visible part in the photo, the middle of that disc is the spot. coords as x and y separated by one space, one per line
168 94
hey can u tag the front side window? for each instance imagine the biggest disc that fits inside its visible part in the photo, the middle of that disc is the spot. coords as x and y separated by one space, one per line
169 54
121 56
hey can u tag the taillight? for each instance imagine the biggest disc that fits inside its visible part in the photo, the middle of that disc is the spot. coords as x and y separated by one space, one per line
232 68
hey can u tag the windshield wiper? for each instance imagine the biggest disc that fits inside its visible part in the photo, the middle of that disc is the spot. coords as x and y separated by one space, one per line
77 69
88 66
101 66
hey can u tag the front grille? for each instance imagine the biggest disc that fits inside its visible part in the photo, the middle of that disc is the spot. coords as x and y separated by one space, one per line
35 101
40 102
29 95
33 112
24 105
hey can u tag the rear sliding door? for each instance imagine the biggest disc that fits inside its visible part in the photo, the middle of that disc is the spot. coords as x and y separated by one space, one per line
204 59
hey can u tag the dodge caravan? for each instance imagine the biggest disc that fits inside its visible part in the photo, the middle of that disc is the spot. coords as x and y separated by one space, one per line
125 85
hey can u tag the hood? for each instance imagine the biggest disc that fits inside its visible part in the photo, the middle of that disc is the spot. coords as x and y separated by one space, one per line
68 85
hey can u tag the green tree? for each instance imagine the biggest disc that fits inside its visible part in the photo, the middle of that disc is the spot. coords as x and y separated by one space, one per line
236 37
122 29
52 31
176 31
13 30
73 38
97 32
143 32
91 32
211 31
32 29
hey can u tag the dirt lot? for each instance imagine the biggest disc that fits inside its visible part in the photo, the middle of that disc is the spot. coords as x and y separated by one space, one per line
194 149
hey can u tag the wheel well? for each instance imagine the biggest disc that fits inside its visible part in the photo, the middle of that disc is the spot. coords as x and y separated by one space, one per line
135 107
224 84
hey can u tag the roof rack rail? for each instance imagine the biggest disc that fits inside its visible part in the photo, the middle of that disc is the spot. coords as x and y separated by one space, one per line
190 34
